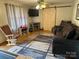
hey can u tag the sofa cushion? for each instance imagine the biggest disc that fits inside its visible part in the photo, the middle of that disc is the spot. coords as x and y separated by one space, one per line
67 29
57 29
71 34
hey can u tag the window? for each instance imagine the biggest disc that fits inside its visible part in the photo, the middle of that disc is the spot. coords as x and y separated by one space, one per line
16 16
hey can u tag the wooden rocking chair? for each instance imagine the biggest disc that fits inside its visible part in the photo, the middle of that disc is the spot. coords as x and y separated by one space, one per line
8 34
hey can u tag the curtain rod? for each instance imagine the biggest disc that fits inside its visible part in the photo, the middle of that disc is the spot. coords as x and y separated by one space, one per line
59 7
13 5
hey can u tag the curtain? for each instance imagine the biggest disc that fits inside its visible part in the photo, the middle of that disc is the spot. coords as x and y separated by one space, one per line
16 16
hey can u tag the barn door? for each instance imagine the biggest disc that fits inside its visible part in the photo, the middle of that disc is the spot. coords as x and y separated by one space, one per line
48 18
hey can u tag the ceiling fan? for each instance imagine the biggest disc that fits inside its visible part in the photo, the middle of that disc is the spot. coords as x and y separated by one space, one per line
41 4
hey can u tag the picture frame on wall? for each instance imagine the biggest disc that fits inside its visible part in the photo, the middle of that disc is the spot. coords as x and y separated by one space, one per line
77 12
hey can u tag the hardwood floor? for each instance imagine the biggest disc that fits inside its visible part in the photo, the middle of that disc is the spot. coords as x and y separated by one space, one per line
22 38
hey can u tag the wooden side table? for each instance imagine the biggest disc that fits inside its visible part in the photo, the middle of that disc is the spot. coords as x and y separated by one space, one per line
23 30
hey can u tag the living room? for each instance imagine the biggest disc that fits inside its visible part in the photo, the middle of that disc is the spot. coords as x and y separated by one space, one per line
30 31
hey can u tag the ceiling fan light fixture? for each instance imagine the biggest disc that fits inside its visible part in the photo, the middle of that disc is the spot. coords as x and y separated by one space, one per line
41 5
38 6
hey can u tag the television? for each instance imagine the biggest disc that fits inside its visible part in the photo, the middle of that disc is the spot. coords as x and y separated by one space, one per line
33 12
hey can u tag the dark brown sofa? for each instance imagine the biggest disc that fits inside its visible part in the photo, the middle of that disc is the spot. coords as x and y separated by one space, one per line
66 41
64 30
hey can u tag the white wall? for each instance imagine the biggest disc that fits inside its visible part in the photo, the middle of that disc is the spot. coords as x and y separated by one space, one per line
74 21
63 13
3 17
3 20
2 37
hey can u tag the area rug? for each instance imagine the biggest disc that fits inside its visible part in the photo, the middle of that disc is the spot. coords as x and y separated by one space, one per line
41 46
15 49
44 38
36 54
38 48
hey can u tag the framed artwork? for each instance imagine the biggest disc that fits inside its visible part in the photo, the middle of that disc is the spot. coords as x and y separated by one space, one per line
77 12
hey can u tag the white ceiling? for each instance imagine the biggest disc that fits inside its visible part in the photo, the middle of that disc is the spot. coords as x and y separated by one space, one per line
31 2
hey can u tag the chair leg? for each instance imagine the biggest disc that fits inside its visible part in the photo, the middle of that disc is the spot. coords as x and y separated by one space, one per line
8 42
11 42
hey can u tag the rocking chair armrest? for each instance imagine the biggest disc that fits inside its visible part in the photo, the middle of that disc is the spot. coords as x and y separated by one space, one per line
10 36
